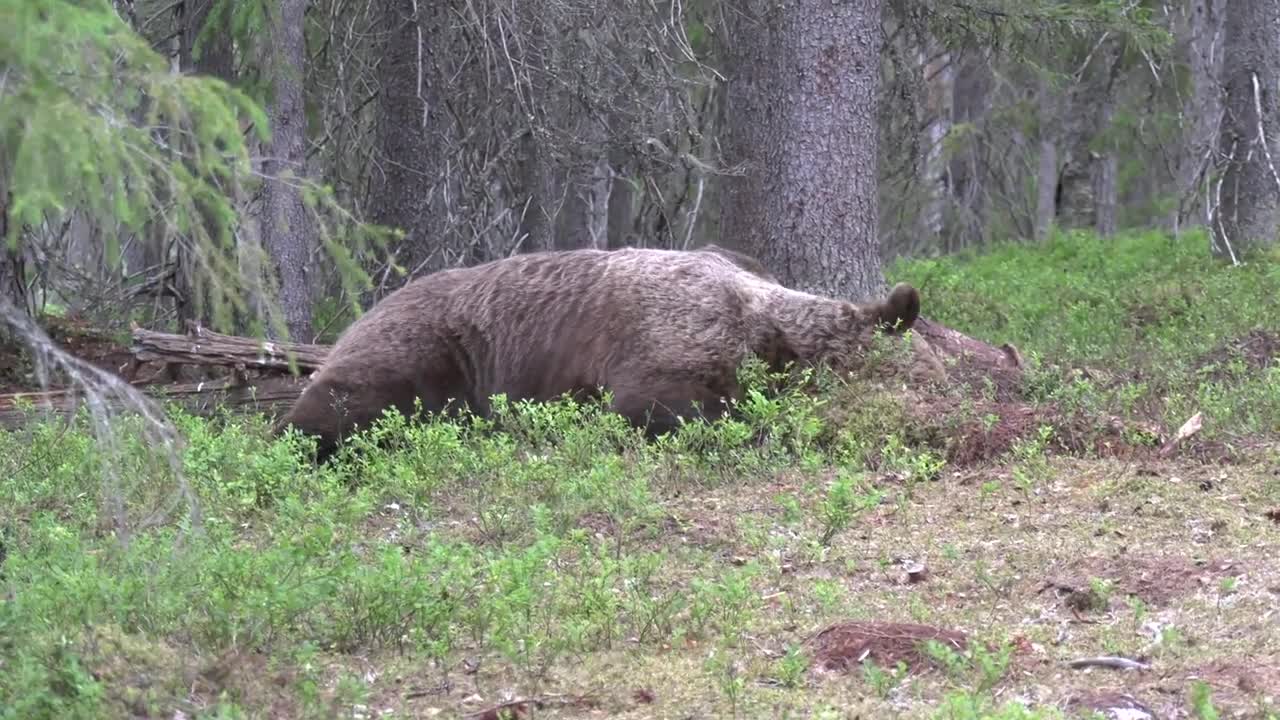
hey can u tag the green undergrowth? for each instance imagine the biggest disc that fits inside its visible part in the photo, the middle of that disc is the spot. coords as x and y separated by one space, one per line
531 537
552 551
1141 324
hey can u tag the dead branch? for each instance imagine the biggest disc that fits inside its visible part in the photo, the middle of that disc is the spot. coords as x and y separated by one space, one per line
201 346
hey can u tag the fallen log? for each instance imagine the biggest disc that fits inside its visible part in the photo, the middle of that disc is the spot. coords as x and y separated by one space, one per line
201 346
269 394
273 387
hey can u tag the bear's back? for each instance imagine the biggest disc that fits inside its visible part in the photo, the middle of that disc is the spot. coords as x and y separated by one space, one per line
537 324
533 324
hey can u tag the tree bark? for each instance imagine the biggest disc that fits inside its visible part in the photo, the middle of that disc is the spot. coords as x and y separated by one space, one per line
1202 112
285 231
939 84
971 92
202 346
802 119
1047 188
1087 179
1047 172
1106 164
272 394
214 57
12 286
1105 172
411 125
1249 214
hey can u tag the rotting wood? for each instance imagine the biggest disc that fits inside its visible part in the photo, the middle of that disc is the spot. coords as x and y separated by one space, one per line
201 346
269 394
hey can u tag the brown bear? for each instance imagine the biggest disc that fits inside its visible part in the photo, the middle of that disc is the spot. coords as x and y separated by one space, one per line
742 260
664 331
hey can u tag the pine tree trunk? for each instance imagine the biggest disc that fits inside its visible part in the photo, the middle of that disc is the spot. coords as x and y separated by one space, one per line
1105 202
411 123
1047 172
939 83
215 58
802 101
1249 214
285 233
968 169
12 287
1047 184
1203 109
1106 165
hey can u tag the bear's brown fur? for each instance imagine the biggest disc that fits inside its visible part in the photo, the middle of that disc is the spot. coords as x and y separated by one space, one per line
742 260
660 329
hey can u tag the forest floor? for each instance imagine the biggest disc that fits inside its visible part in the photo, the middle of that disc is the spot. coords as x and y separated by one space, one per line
777 567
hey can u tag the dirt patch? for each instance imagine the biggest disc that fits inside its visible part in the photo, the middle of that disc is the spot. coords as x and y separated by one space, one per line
528 708
248 678
1257 350
1112 705
845 645
970 432
1155 580
1241 682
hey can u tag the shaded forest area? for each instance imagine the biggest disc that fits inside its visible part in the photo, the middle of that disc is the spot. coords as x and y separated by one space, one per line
366 143
307 158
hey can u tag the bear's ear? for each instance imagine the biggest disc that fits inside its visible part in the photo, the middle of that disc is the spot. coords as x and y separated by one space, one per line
900 310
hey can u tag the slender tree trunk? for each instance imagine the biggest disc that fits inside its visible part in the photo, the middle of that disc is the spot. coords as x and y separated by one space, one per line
968 171
1105 190
12 287
584 217
1106 165
939 83
285 227
216 58
535 180
1047 172
598 201
1249 214
802 117
621 203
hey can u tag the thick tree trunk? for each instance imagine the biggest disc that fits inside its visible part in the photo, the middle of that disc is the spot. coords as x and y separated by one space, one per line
285 232
802 118
582 218
1202 112
1249 213
411 125
621 204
